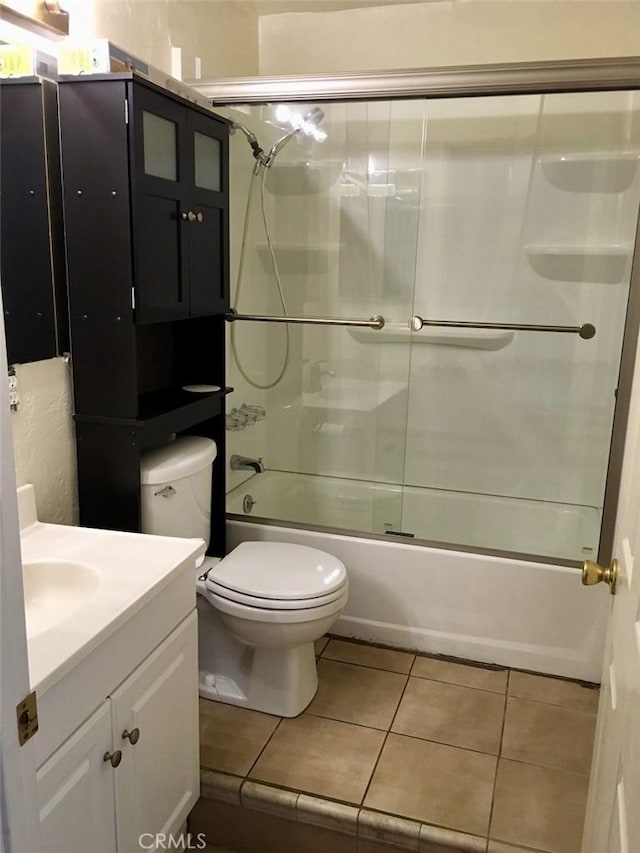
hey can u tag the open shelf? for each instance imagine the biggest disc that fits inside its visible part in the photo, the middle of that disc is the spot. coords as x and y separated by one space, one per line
604 264
605 172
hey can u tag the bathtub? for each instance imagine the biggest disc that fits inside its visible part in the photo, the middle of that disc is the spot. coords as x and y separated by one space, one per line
495 609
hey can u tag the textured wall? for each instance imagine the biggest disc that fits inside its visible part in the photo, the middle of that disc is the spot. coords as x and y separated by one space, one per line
43 438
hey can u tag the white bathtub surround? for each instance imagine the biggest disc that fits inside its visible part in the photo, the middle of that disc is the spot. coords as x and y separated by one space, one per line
521 614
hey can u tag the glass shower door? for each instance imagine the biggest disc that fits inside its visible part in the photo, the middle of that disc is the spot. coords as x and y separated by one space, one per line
528 215
341 218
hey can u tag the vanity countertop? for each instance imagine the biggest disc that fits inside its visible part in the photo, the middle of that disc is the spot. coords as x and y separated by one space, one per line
131 569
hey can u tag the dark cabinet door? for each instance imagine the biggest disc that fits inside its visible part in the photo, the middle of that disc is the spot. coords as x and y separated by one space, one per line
207 151
180 209
159 186
26 260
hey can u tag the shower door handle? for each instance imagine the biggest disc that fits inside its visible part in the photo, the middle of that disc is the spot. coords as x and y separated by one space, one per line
586 331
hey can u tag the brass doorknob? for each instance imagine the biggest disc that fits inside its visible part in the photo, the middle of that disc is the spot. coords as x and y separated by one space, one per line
593 573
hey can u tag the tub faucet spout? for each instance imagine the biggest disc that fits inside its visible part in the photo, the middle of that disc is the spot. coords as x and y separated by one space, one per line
246 463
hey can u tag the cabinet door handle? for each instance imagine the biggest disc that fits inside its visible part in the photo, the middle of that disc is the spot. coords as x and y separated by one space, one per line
133 736
114 757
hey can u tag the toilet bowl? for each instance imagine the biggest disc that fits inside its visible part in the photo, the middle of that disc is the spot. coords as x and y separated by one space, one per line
261 608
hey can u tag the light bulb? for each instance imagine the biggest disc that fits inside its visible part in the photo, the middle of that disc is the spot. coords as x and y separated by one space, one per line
308 128
319 135
297 120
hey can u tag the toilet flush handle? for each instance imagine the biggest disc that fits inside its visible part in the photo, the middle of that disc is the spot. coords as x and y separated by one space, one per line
166 492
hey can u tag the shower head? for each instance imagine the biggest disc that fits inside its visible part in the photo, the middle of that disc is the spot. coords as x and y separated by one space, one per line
307 124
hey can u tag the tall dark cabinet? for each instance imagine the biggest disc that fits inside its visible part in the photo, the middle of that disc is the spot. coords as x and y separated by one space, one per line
146 199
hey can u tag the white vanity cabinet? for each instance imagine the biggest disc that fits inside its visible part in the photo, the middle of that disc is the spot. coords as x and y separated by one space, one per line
85 802
75 791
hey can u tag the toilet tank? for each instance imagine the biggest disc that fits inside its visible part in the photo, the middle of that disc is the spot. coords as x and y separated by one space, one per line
175 484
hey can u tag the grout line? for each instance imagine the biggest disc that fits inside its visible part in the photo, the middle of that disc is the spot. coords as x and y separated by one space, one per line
364 665
259 756
499 756
384 743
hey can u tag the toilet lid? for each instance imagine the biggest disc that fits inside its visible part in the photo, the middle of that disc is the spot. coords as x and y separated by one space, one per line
219 591
279 571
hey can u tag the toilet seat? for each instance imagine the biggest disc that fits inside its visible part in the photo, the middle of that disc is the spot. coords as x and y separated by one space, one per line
278 575
273 603
277 616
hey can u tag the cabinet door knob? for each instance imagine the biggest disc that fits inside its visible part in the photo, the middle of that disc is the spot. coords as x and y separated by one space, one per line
114 757
184 216
199 217
191 216
133 736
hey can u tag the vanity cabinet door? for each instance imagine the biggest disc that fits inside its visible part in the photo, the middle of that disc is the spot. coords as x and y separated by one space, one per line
157 707
75 791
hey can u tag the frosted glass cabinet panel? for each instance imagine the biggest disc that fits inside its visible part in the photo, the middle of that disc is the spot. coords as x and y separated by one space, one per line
207 161
160 147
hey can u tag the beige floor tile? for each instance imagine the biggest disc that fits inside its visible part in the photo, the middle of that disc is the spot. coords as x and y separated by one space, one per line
494 680
433 783
357 694
499 847
324 757
539 807
369 656
553 691
548 735
232 738
446 713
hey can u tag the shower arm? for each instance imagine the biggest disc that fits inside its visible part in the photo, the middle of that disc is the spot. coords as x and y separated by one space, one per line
375 322
586 331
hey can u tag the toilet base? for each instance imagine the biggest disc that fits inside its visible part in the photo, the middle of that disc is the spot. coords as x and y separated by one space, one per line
275 681
280 681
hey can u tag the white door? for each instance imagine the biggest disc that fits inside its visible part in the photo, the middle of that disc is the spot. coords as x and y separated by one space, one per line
19 828
613 818
155 724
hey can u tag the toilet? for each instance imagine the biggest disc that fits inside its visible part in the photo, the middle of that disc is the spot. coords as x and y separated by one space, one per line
261 608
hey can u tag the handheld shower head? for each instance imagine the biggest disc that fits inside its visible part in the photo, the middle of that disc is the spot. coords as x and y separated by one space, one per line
306 124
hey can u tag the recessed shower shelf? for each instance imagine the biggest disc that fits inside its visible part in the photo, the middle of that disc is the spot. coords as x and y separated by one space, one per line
300 259
399 333
303 177
604 264
605 172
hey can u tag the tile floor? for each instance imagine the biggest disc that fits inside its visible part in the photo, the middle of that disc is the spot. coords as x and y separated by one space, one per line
498 754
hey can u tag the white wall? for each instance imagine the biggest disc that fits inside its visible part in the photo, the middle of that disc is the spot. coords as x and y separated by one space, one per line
447 33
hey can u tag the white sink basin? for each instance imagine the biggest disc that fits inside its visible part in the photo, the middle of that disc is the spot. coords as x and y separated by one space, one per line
54 590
